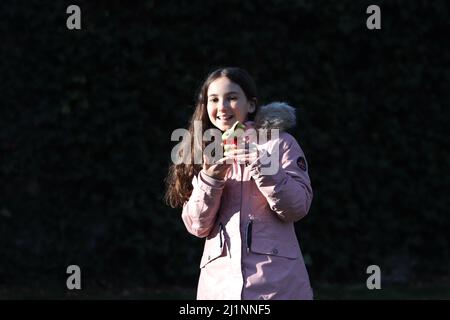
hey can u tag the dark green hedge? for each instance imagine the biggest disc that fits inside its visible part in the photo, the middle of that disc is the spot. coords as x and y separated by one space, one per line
87 115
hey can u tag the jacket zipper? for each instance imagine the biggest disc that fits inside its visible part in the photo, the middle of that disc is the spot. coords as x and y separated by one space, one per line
220 234
248 235
248 227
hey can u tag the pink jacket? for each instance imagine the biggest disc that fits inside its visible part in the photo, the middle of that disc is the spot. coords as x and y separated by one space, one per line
251 249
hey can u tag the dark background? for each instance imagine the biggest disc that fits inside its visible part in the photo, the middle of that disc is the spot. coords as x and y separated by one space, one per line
86 118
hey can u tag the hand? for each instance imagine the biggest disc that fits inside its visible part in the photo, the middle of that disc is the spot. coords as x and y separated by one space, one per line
218 169
246 155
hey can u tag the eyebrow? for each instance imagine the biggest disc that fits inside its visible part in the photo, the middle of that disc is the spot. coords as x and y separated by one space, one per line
231 92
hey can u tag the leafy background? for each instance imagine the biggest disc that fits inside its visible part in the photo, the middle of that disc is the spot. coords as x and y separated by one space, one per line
87 116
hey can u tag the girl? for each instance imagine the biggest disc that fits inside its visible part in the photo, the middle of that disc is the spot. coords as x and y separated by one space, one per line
247 217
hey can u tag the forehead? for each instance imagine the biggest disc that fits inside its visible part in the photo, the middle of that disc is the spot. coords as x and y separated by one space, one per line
223 86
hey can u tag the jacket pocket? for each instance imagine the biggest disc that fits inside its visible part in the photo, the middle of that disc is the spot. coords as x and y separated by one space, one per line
275 248
214 246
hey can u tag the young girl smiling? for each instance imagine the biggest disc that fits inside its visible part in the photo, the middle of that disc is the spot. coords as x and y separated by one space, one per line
247 216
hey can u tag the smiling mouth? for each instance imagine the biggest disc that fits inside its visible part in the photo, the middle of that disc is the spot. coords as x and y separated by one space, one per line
224 118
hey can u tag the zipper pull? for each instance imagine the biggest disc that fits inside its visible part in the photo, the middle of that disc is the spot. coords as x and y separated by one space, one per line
248 235
220 234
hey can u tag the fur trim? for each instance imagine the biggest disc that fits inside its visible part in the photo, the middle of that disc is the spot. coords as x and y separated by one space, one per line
275 115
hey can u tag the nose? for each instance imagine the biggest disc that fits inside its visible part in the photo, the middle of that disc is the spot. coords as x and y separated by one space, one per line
223 104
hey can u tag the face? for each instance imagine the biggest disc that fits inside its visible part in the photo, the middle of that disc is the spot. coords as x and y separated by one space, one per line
227 103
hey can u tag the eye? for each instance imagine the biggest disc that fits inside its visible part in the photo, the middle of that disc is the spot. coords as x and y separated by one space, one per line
233 98
214 100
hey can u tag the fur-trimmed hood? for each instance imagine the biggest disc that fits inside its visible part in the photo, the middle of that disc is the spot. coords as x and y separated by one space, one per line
275 115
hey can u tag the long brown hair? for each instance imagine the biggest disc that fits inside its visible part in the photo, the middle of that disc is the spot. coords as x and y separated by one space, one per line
179 179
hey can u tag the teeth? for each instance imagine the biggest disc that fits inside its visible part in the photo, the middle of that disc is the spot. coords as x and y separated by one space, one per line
224 118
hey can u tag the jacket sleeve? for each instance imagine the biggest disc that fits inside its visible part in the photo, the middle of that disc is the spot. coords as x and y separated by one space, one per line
200 211
288 191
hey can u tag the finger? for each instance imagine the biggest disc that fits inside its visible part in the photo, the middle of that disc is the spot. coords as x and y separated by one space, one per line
234 152
229 146
207 160
226 159
247 158
239 152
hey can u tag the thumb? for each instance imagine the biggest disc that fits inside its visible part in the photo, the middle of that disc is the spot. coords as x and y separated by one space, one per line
207 160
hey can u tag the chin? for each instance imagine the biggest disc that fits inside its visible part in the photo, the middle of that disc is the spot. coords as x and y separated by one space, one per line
223 127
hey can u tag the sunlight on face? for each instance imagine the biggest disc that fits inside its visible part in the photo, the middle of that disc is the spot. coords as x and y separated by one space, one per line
227 103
